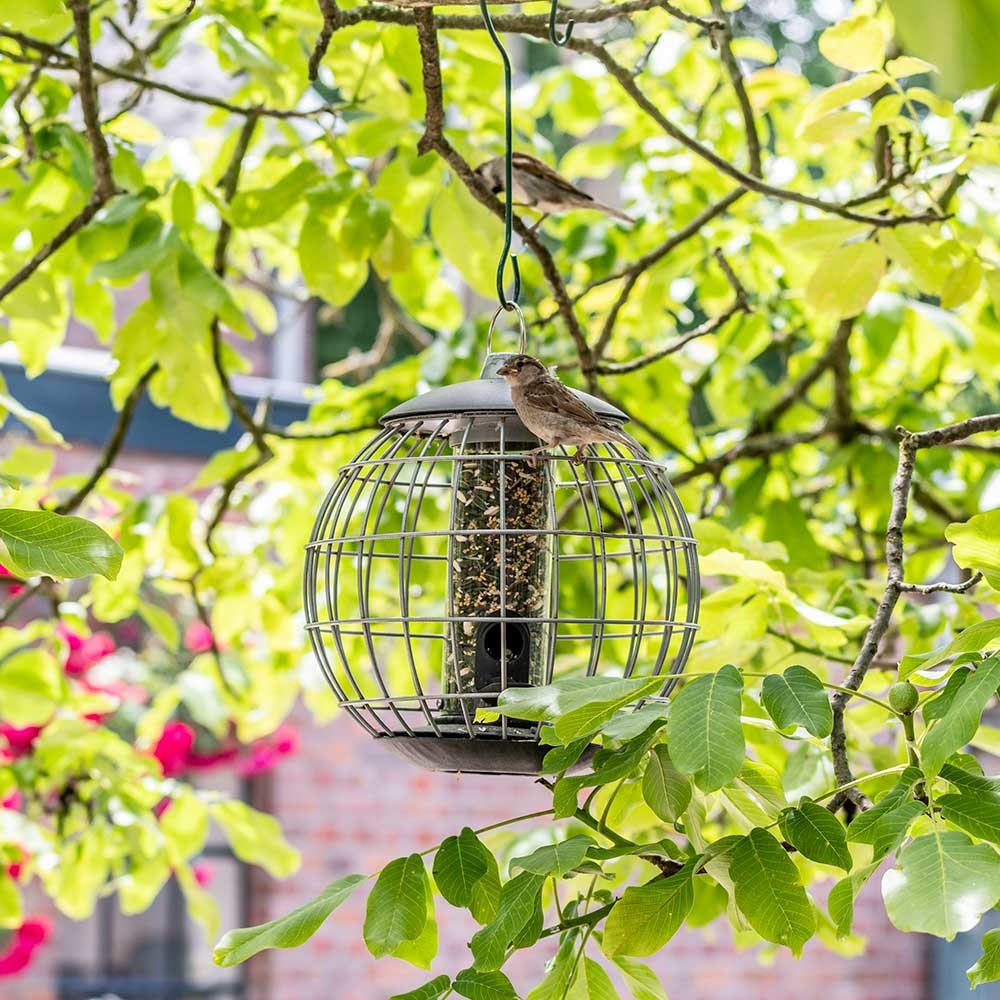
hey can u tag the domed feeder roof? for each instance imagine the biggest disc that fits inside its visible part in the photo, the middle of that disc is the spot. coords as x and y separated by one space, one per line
481 395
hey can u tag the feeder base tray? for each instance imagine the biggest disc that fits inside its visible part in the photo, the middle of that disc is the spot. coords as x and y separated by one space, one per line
475 756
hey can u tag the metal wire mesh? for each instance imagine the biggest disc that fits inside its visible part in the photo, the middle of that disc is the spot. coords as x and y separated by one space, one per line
446 566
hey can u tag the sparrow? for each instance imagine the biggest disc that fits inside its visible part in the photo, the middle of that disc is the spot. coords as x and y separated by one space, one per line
536 185
554 414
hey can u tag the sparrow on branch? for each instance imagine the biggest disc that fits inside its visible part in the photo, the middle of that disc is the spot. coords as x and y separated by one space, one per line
536 185
554 414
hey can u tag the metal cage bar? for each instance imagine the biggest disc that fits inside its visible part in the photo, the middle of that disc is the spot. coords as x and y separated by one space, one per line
392 506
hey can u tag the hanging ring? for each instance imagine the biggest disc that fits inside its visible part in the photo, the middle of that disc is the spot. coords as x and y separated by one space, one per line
553 32
522 344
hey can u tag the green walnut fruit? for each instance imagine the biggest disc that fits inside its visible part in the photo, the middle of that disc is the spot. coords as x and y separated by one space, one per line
903 697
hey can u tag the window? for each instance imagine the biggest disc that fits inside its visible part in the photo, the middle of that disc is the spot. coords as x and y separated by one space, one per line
160 954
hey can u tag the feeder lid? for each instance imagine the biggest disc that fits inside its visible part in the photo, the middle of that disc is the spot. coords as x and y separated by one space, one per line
482 395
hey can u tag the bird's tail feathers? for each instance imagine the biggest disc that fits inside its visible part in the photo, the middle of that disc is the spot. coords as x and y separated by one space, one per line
615 213
620 437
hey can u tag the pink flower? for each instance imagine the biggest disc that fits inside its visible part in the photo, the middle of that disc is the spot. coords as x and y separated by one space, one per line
205 761
203 872
198 637
19 740
30 936
286 739
262 758
264 754
84 653
120 690
13 589
12 801
173 747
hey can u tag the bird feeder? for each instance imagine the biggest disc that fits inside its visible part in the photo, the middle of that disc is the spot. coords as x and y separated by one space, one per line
446 566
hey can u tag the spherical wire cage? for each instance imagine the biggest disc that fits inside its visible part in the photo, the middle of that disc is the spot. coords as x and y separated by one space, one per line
447 564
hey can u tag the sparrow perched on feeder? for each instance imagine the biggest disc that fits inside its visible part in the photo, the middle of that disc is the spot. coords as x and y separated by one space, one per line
551 412
536 185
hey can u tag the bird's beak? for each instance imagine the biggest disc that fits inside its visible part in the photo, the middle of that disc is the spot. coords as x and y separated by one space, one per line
505 369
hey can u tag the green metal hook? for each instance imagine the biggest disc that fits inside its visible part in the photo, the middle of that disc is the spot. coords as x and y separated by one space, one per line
505 303
553 33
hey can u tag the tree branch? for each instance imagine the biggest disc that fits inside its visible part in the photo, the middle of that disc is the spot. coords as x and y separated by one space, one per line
104 185
895 585
627 82
723 39
113 446
65 60
332 19
796 392
740 304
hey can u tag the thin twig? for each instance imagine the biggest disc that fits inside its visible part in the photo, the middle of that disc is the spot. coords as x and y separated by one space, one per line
113 446
723 39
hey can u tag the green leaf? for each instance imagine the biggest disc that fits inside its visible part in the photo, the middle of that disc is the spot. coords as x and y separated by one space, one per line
519 900
560 970
397 906
885 824
185 824
797 698
554 859
591 983
256 837
38 424
460 862
704 730
973 814
768 891
262 206
756 793
846 279
943 884
817 834
11 912
974 639
477 985
957 37
202 908
857 43
331 269
840 902
648 916
32 684
577 706
977 545
961 284
289 931
642 982
666 791
57 545
162 622
421 950
987 967
836 97
433 990
937 707
587 718
958 725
